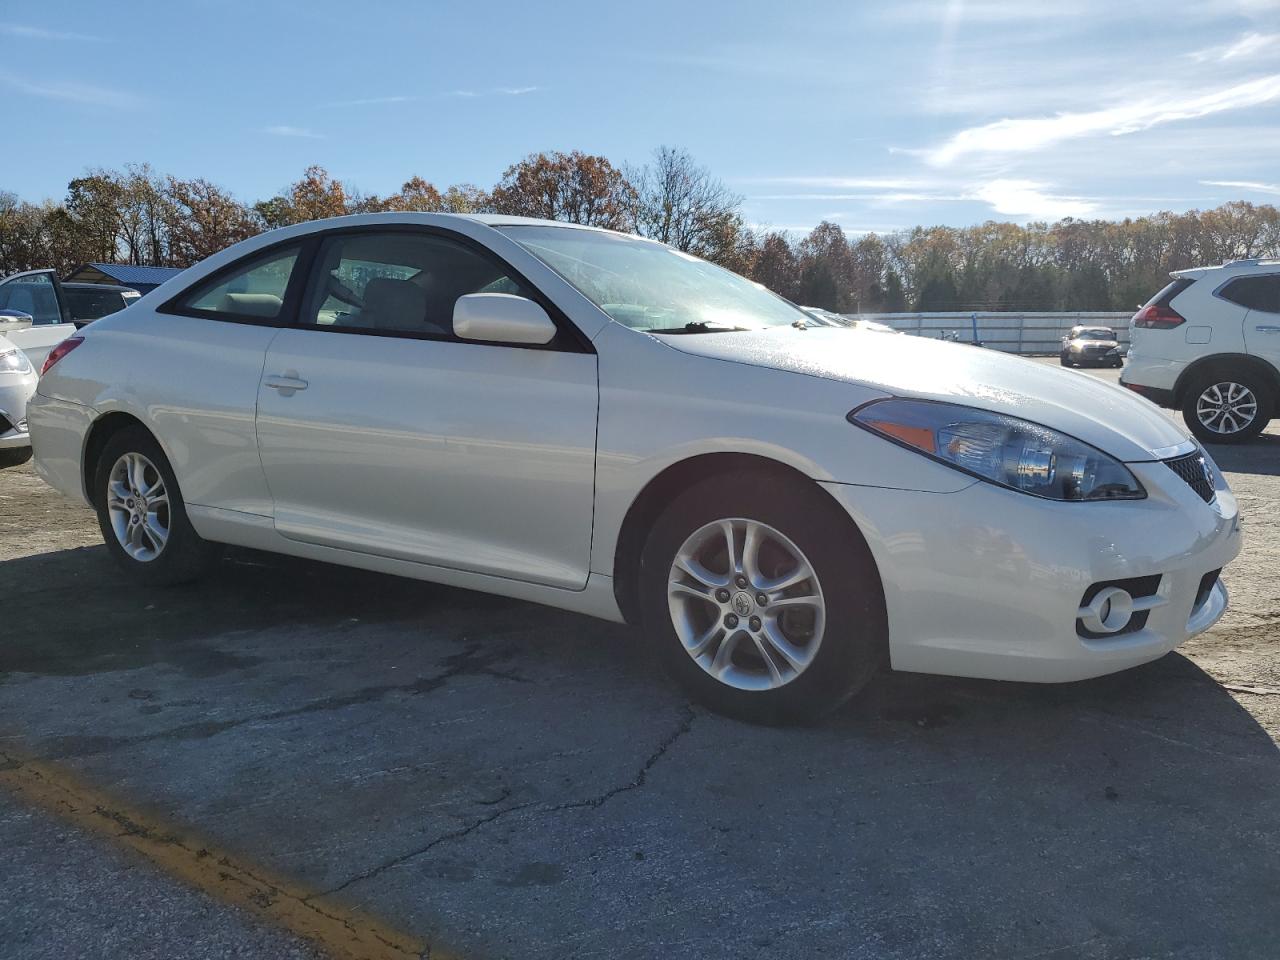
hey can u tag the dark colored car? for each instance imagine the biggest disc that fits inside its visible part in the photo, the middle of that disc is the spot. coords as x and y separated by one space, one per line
89 301
1091 347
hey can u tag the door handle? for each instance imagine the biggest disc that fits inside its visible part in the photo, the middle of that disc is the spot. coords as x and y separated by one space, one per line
288 384
1269 328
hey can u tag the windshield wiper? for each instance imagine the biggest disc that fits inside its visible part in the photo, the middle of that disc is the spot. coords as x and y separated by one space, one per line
697 326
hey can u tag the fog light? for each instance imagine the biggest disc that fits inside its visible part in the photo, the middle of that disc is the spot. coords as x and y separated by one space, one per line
1108 612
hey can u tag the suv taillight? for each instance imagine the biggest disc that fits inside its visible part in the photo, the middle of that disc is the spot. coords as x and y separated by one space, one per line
60 351
1155 317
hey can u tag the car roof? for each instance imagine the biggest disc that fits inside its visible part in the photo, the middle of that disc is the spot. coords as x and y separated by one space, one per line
1231 268
84 285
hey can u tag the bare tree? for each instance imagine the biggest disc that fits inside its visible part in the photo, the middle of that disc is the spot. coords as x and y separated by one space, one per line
679 202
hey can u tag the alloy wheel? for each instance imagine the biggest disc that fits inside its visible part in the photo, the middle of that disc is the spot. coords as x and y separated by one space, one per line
1226 408
746 604
138 505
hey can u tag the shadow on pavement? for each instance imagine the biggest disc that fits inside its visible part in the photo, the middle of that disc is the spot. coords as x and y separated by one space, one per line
517 781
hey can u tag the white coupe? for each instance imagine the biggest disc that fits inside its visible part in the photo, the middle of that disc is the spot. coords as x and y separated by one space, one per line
602 423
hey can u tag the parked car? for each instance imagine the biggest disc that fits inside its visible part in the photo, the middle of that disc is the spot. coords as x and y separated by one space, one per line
17 384
92 301
1208 344
1091 346
39 295
601 423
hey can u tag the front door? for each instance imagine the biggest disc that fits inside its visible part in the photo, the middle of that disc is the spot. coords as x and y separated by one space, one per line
38 293
381 432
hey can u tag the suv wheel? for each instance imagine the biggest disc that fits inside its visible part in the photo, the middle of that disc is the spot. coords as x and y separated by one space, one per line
753 604
1227 407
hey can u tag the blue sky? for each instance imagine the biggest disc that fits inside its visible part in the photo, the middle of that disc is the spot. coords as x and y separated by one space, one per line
875 115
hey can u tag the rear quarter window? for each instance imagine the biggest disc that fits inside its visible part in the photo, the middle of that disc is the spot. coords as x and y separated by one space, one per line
1254 293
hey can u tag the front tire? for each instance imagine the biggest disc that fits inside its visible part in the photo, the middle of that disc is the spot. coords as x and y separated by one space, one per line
1227 407
15 457
142 515
761 600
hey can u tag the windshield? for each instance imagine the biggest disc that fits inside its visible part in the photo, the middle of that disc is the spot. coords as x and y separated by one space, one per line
652 287
1096 335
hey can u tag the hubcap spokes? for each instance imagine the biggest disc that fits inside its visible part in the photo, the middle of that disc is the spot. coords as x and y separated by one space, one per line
138 507
746 604
1227 407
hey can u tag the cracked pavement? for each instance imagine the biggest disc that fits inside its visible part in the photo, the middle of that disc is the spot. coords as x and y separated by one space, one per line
502 780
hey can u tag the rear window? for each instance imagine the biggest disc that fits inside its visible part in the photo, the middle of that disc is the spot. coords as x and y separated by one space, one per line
1167 293
1254 293
93 304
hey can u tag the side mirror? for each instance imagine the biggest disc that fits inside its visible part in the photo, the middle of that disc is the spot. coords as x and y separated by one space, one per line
11 320
501 318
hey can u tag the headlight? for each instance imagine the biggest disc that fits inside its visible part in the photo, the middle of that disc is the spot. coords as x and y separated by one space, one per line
1000 449
14 361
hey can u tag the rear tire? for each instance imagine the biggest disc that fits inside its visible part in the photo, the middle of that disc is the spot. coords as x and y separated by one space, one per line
142 515
15 457
1227 407
794 658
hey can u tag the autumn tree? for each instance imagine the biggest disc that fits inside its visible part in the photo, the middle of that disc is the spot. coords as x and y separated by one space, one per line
572 187
204 219
314 197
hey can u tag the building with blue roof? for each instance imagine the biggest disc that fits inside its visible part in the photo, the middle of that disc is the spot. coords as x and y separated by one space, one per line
144 279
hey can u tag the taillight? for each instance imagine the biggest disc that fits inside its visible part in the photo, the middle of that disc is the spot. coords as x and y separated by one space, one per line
1155 317
60 351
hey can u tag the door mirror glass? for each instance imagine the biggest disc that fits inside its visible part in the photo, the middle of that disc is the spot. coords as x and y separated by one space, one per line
501 318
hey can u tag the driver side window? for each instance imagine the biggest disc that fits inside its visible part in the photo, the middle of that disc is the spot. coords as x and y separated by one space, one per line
397 282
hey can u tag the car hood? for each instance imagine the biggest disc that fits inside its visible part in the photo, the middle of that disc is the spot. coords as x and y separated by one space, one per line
1099 413
1094 343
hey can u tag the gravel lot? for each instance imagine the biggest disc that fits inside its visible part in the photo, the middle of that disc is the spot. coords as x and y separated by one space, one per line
494 779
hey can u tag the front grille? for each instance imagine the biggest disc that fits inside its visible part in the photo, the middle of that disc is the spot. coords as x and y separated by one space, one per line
1137 587
1206 587
5 424
1195 470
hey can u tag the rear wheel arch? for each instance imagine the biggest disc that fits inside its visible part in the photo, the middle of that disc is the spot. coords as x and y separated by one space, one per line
1225 364
100 433
679 476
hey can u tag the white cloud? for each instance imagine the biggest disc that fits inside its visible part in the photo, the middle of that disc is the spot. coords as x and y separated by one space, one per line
1026 198
1251 185
40 33
284 130
1249 45
496 92
372 101
76 93
845 183
1030 134
888 197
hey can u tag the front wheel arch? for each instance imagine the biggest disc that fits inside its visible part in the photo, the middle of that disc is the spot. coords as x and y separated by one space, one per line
679 476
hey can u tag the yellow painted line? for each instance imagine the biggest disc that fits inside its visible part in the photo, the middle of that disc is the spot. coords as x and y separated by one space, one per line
342 933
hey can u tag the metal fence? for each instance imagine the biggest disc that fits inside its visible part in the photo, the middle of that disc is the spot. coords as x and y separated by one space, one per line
1025 333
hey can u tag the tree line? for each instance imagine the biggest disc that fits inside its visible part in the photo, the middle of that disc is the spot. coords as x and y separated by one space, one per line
136 215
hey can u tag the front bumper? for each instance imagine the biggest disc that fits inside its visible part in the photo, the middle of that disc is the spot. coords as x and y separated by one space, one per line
989 583
15 393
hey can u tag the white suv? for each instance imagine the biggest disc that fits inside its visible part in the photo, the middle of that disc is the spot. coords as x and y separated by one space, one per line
1208 344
